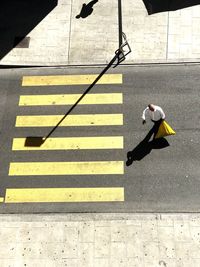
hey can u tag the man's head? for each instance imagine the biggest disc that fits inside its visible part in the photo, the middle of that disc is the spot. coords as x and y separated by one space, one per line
151 107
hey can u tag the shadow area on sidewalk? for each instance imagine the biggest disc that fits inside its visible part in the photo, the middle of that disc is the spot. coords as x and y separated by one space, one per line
18 18
156 6
144 148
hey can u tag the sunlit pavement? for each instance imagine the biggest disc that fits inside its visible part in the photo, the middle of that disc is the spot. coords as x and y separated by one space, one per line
58 38
74 240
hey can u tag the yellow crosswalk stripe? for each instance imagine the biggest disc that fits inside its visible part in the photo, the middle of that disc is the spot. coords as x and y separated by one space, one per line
24 195
70 79
66 168
70 120
72 143
1 199
70 99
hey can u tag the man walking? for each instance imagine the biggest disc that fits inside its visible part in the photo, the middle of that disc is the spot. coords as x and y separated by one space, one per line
156 114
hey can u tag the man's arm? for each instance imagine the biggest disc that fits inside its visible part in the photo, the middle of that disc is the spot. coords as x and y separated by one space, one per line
162 114
143 116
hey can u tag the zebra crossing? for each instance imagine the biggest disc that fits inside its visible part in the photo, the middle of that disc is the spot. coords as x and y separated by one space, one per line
62 168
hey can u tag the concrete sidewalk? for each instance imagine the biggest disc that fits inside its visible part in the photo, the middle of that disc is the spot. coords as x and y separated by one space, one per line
61 39
109 240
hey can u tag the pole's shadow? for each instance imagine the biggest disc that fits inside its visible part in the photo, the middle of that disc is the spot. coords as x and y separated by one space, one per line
37 141
145 147
34 141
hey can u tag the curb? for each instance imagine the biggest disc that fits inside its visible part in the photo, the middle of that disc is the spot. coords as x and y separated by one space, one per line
174 63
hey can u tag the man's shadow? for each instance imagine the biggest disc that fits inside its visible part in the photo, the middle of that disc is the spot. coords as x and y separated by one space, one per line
145 147
86 9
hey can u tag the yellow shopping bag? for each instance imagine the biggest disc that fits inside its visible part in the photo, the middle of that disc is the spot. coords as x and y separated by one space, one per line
164 130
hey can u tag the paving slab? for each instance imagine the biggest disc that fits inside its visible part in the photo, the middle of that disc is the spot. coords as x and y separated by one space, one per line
62 39
123 239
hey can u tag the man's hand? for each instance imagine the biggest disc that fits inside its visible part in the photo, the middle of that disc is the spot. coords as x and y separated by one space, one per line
143 122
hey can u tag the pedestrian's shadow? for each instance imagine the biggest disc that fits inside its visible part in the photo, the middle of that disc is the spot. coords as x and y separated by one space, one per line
86 9
144 148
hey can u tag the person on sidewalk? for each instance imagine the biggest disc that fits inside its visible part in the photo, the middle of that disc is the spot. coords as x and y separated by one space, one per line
157 115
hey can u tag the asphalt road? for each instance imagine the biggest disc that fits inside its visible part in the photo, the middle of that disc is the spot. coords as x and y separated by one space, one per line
162 178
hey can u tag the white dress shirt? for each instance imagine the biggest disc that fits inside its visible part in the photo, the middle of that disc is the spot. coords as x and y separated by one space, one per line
155 115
